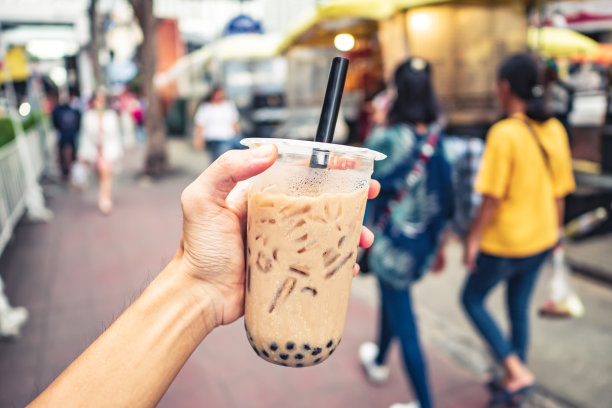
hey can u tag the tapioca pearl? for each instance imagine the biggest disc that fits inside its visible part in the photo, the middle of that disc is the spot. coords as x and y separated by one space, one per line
284 364
290 345
283 356
316 351
299 365
306 346
329 344
273 346
298 356
265 353
317 361
331 351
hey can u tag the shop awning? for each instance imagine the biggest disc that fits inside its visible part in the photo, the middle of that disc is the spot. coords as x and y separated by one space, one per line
347 13
238 46
559 42
603 55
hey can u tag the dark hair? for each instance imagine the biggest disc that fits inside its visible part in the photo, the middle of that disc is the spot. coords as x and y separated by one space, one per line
213 91
416 100
523 75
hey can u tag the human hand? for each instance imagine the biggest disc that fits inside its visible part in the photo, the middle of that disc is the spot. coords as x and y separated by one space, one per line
214 213
470 252
439 262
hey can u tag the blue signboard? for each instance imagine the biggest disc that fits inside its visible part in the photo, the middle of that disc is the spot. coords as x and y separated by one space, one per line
243 24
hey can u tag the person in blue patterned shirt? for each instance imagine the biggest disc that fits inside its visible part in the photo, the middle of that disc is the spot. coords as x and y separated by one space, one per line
411 212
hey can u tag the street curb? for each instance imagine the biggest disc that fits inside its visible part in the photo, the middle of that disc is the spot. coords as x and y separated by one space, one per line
593 272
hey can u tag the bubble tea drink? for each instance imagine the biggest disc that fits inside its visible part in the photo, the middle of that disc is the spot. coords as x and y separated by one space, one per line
303 232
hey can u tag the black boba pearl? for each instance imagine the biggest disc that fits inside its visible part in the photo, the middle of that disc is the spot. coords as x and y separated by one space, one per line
290 345
317 361
316 351
306 346
299 365
284 356
329 344
273 346
265 353
331 351
284 364
298 356
255 350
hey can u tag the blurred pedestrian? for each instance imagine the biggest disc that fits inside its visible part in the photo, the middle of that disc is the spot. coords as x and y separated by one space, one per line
414 205
525 174
351 106
100 146
67 121
559 95
127 106
135 360
216 124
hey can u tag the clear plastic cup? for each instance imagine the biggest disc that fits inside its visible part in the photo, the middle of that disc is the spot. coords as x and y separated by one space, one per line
303 233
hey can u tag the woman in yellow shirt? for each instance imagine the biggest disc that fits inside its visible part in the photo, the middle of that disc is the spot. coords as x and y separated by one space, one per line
524 176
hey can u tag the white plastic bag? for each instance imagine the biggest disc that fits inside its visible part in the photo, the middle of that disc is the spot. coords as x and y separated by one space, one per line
562 300
79 175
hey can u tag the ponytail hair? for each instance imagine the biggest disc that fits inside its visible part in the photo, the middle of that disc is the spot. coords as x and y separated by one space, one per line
523 75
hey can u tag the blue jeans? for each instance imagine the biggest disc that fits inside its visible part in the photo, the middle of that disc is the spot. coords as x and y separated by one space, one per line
397 320
520 275
218 147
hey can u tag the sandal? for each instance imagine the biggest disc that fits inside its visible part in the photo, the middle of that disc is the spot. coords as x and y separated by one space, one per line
504 398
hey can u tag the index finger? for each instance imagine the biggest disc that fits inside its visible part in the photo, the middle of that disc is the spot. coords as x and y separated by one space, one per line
374 189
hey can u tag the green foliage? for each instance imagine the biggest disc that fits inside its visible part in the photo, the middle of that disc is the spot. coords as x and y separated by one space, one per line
7 132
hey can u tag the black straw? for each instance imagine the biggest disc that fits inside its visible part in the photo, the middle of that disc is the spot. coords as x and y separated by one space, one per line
329 111
331 103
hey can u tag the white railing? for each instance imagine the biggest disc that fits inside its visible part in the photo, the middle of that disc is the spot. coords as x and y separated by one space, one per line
13 181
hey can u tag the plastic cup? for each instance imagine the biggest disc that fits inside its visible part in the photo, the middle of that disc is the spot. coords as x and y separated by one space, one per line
303 233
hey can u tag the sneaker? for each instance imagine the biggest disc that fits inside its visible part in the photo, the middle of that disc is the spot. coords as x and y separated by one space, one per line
406 405
377 374
11 321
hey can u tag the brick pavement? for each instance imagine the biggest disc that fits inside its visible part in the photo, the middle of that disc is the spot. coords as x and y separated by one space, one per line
77 273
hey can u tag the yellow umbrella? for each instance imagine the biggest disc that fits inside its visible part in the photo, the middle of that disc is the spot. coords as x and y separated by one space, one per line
559 42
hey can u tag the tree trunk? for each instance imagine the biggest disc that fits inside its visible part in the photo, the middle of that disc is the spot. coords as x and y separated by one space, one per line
94 44
157 159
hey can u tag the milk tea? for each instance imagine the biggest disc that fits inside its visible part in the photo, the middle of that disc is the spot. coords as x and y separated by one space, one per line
301 251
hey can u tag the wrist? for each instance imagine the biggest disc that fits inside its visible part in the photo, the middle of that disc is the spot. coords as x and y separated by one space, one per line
473 237
197 299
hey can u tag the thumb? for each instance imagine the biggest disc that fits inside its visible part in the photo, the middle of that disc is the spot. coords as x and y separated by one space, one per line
223 174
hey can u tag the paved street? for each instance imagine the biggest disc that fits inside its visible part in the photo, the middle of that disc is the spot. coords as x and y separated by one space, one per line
571 358
77 273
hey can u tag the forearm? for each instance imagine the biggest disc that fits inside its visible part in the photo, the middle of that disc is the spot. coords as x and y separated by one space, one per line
198 135
133 363
483 217
561 211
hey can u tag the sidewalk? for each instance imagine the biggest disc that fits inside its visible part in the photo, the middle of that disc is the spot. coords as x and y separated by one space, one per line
77 273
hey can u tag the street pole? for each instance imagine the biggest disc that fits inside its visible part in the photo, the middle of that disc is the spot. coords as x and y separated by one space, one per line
34 199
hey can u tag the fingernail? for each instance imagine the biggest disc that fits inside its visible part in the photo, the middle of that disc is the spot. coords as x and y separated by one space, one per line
263 151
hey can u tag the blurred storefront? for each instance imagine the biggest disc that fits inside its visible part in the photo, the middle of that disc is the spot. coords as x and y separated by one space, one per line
465 41
247 65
